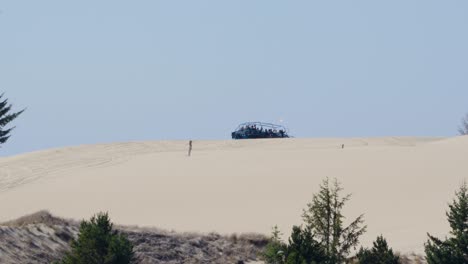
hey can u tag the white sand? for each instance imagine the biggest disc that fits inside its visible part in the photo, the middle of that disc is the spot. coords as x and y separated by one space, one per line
402 185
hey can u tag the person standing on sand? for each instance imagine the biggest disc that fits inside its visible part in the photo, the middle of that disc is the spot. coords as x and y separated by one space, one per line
190 148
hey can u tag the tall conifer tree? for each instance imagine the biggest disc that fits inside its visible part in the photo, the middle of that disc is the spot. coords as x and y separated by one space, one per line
6 116
325 220
453 250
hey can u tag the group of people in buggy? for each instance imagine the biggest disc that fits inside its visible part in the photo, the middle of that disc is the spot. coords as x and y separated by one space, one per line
259 130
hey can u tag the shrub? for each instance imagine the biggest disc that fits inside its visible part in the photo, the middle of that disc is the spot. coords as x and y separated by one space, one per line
98 243
275 249
453 250
380 253
302 248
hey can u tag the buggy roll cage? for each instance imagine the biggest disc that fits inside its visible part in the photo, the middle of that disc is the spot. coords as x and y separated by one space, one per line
254 130
263 125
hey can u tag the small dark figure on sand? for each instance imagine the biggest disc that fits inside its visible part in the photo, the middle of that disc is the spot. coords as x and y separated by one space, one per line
342 146
190 148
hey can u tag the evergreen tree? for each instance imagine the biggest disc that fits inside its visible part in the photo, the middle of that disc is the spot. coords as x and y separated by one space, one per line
303 249
98 243
453 250
6 116
463 129
379 254
325 220
275 249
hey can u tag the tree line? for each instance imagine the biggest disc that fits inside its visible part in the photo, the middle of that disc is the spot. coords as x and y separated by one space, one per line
323 237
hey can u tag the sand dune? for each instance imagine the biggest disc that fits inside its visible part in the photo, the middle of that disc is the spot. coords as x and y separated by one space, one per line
402 184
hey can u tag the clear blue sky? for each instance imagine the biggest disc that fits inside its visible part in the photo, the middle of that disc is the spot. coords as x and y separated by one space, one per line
105 71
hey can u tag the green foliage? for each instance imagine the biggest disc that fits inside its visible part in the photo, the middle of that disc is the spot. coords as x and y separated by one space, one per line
5 118
380 253
275 249
302 248
97 243
453 250
325 220
323 239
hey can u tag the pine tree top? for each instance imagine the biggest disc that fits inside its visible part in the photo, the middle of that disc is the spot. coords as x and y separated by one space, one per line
6 117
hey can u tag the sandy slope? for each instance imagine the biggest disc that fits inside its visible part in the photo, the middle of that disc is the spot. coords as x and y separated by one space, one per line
401 184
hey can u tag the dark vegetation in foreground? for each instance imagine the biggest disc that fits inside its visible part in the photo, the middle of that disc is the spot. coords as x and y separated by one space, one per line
454 249
99 243
43 238
323 237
